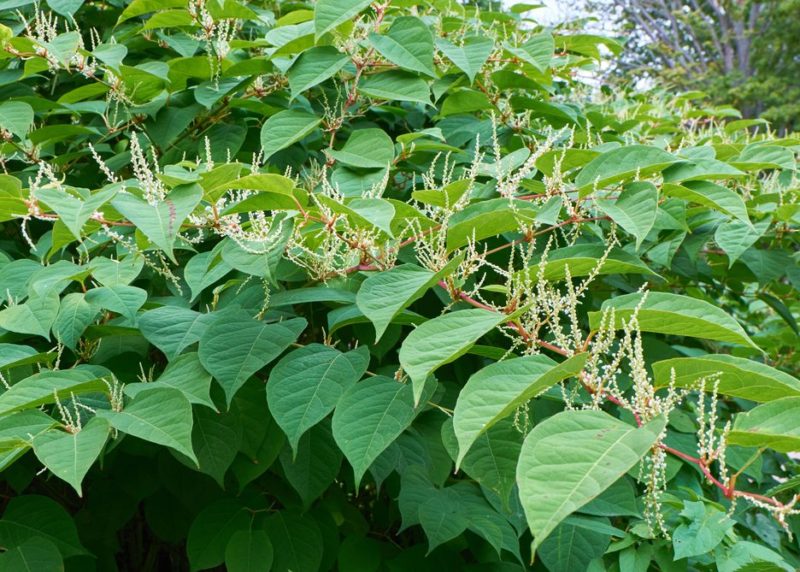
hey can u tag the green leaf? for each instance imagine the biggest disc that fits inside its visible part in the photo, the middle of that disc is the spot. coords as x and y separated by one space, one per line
186 374
328 14
307 383
537 50
75 210
235 346
707 527
588 450
212 530
442 340
492 458
369 417
74 316
408 43
583 259
733 376
215 441
285 128
69 456
33 555
161 222
172 329
162 416
620 164
366 148
487 218
37 517
470 56
735 237
384 295
34 317
16 117
711 195
634 210
396 86
299 539
249 551
313 67
772 424
42 388
114 272
124 300
674 314
572 547
497 390
314 464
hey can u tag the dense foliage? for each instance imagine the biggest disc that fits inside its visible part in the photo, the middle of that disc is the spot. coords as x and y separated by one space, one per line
379 287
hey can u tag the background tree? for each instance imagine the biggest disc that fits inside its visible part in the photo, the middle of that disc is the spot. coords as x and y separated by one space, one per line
743 52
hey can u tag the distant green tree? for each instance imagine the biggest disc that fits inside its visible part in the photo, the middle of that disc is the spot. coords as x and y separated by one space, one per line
746 52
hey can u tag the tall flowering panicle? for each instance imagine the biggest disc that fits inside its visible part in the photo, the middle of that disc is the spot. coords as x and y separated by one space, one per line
146 174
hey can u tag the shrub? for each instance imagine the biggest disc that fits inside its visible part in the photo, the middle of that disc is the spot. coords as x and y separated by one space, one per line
383 287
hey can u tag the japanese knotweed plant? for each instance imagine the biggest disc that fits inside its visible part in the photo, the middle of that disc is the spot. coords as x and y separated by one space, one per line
383 286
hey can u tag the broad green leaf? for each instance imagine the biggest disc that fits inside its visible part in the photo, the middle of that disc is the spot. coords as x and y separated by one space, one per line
366 148
259 258
314 464
74 316
497 390
19 429
161 222
328 14
674 314
773 424
634 210
186 374
707 527
408 43
384 295
124 300
116 272
588 451
442 340
573 546
492 459
396 86
16 117
162 416
306 385
313 67
487 218
199 276
537 50
69 456
235 346
249 551
703 169
42 388
34 317
369 417
620 164
299 539
735 376
711 195
15 355
470 56
35 554
736 237
215 441
34 516
172 329
212 530
583 259
284 128
75 210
